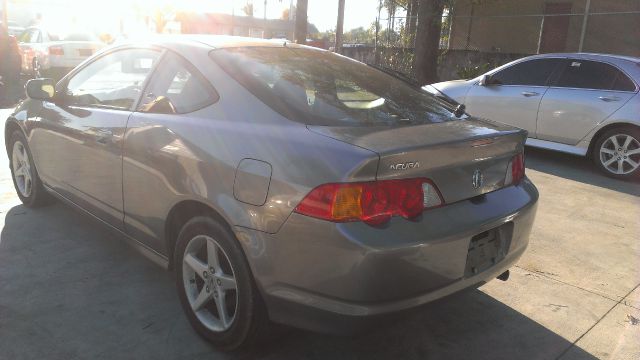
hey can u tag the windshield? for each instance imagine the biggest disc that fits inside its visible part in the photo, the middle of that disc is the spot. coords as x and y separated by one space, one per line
320 88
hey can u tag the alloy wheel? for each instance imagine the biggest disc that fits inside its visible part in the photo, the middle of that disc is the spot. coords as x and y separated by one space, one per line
21 169
620 154
210 284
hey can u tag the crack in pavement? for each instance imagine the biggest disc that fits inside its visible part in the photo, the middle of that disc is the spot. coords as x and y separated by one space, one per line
596 323
545 275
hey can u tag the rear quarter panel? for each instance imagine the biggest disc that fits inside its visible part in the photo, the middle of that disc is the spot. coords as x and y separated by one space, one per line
627 115
172 158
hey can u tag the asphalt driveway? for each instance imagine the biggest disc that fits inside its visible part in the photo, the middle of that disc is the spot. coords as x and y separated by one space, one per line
69 289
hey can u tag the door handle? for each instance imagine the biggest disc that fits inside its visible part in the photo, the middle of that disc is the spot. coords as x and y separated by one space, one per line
609 98
529 93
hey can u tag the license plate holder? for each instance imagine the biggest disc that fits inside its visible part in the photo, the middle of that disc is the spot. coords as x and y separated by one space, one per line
85 52
485 250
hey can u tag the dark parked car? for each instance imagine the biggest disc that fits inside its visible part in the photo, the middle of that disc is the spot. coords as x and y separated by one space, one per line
281 182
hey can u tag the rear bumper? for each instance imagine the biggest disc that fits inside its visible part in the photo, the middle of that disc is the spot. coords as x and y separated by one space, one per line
333 278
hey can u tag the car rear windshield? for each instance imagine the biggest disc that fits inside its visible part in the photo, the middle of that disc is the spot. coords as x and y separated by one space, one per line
317 87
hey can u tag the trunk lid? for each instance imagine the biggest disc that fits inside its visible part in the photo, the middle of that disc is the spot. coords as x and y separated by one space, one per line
76 50
449 153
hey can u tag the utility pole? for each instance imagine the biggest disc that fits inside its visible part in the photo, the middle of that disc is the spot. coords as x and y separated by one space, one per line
264 21
377 43
584 25
233 17
338 47
5 16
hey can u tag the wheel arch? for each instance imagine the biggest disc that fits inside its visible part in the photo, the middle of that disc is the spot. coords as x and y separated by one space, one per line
596 136
180 214
10 127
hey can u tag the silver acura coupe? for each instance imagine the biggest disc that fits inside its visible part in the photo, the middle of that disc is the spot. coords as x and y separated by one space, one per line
581 104
282 183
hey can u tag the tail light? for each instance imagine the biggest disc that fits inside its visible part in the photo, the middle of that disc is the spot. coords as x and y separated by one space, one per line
372 202
515 170
56 50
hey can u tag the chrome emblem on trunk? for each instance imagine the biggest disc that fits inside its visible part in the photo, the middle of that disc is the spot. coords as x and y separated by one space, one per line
405 166
477 179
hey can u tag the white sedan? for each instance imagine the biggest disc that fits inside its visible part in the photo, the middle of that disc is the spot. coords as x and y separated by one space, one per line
44 54
583 104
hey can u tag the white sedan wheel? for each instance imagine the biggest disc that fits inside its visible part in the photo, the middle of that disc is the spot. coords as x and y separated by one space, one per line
620 154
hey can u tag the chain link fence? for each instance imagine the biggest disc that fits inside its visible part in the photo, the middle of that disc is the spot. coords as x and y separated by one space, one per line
478 35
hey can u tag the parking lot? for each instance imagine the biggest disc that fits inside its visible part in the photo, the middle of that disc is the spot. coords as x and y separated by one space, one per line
69 289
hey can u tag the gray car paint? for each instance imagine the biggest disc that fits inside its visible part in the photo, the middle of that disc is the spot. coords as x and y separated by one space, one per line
151 163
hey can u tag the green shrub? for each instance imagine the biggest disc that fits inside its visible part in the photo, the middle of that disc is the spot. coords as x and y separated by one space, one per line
470 71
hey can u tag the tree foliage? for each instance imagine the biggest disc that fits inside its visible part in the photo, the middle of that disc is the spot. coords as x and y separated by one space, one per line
248 9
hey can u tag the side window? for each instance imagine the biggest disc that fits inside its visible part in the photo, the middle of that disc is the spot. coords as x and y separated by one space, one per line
177 88
532 73
29 36
113 81
586 74
623 83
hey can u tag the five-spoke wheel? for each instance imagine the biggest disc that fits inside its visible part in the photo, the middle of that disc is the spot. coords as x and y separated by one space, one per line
21 168
216 289
209 283
24 173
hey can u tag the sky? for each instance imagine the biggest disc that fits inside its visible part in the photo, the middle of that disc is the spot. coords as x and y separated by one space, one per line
322 13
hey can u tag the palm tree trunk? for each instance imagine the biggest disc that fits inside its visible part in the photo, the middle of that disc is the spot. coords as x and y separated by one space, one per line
339 27
427 46
301 22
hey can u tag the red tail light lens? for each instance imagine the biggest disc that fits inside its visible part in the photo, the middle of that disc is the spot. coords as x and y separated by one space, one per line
56 50
372 202
515 170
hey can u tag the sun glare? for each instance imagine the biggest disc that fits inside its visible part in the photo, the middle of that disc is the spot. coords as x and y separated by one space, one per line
137 17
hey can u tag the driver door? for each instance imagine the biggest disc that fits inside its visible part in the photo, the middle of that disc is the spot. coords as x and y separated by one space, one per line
78 140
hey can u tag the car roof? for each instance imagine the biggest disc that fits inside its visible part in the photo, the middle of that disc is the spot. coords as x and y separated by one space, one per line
213 41
630 64
593 56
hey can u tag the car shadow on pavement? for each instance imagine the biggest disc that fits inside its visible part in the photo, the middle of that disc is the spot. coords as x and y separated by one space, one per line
576 168
71 289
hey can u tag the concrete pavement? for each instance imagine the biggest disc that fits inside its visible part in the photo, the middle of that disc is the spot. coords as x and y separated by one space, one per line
69 289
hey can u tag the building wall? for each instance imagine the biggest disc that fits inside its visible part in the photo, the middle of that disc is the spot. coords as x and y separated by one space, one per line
514 26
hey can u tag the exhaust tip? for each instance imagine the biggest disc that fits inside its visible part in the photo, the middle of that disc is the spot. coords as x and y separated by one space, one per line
504 276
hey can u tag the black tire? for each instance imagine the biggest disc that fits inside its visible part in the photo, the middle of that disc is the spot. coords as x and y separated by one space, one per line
250 324
600 159
38 196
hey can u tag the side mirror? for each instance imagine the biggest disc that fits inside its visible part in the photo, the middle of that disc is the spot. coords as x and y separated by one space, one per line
41 89
486 80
